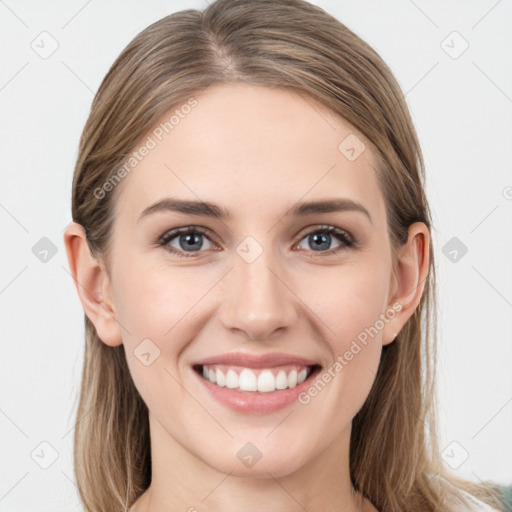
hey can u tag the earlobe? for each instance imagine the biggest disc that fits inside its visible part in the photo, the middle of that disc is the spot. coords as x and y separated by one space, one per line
92 284
411 275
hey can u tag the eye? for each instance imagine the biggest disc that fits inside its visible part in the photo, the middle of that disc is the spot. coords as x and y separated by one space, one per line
186 240
321 239
191 240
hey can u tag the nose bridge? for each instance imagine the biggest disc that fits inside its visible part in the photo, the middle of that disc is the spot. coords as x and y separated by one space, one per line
259 302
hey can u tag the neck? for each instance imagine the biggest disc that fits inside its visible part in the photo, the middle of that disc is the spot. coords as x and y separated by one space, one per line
192 485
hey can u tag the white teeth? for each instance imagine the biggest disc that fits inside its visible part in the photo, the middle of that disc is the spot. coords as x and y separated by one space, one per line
220 378
281 380
292 379
266 382
231 379
301 377
248 380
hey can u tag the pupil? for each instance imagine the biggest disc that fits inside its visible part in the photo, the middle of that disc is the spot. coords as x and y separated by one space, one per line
190 239
318 240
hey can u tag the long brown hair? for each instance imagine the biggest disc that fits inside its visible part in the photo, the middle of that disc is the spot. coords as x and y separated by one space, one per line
290 44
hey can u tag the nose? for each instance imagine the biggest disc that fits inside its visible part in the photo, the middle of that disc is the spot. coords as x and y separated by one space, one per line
258 299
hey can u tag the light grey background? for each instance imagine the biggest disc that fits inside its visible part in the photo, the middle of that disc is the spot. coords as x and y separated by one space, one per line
462 108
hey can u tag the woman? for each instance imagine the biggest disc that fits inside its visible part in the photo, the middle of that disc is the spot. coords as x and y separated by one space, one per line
251 245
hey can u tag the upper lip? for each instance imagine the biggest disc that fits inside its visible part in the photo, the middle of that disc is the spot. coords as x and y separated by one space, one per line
268 360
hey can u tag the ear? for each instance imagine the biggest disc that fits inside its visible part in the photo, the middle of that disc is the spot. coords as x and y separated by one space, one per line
409 279
93 285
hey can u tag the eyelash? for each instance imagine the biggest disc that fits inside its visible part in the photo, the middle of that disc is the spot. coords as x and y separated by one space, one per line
347 240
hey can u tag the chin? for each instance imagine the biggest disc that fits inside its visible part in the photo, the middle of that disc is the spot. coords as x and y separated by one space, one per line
250 462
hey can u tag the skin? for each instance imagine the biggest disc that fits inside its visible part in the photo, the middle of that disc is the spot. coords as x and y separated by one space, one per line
267 149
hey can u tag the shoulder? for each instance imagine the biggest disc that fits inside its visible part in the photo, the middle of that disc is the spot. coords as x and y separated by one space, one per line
472 504
460 500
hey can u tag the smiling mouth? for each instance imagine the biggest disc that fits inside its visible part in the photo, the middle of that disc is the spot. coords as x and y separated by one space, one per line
257 380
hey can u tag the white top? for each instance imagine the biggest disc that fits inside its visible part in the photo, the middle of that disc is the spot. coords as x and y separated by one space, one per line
466 502
472 505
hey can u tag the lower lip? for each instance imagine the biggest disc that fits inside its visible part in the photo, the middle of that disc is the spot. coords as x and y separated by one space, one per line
251 402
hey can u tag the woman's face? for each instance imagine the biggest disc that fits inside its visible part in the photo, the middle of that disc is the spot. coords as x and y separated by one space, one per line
254 284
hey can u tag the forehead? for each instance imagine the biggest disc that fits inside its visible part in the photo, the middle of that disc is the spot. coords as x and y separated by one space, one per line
246 147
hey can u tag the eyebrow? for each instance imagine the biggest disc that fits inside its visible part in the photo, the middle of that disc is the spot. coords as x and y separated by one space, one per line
208 209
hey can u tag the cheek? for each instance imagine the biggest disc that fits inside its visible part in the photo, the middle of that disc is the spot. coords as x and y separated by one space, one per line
155 306
158 308
349 302
152 301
